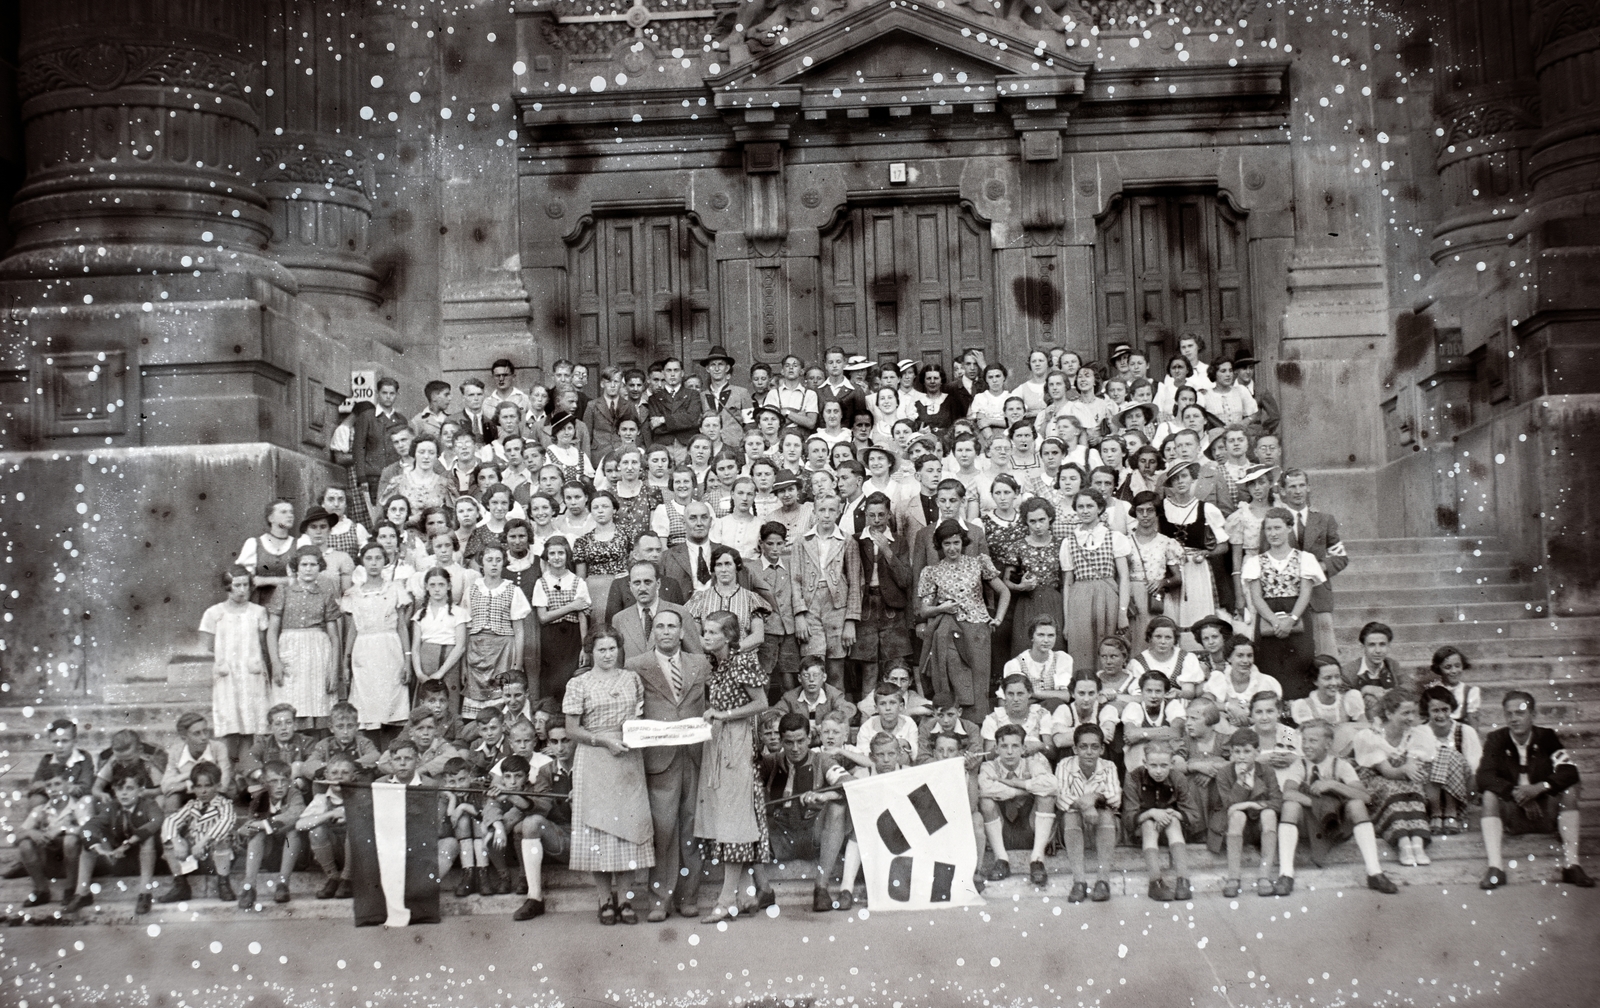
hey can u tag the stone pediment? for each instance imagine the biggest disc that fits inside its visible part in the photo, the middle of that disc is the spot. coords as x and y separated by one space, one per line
890 52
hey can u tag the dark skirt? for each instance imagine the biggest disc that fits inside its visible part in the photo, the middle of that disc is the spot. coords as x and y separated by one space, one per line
1029 606
1287 659
559 648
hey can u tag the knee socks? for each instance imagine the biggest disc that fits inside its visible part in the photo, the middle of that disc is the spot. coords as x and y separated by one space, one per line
532 865
1367 844
1105 841
994 829
1044 823
1567 824
1288 839
1493 832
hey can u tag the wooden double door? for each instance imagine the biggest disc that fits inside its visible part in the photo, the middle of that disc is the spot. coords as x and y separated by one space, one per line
640 289
909 281
1171 265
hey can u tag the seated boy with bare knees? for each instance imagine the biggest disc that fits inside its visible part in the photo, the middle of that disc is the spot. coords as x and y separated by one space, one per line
65 759
345 740
124 835
1088 797
1529 785
546 831
810 823
1157 806
129 756
503 810
884 756
51 832
1245 802
325 825
1334 803
460 832
269 832
1016 787
491 746
1279 750
202 828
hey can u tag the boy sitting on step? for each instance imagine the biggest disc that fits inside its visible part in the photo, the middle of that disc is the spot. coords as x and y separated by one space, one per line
1245 803
201 829
323 821
129 825
1335 803
129 756
346 741
269 833
1088 795
51 832
503 809
460 832
1157 805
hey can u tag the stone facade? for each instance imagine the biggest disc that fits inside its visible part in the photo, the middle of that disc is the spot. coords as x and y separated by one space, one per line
227 208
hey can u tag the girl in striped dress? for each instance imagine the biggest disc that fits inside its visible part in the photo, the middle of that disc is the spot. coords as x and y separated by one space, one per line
1094 579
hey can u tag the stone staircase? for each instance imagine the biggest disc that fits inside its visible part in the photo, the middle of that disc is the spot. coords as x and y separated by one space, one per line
1432 592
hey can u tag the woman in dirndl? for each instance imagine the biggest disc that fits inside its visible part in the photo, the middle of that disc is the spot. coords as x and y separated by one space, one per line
303 623
497 610
1279 581
612 834
667 520
375 655
730 814
1154 567
1199 528
267 556
562 602
1394 759
1454 769
600 556
1094 580
1033 575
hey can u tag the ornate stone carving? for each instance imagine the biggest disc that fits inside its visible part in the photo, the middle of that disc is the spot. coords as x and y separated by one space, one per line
1555 20
1254 179
1503 115
289 163
103 66
1116 14
719 201
596 29
994 189
810 199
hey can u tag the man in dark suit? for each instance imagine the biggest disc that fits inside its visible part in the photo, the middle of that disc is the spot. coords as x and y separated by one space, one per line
809 824
634 622
689 562
951 500
674 689
472 416
882 634
1267 414
675 410
647 547
1529 785
1317 534
370 444
603 414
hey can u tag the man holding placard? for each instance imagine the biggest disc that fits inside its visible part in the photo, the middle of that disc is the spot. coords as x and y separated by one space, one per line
674 689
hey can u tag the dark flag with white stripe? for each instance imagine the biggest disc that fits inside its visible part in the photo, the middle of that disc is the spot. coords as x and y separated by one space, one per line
394 863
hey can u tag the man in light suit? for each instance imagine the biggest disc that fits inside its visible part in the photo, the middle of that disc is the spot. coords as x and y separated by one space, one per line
674 689
1317 534
633 623
603 414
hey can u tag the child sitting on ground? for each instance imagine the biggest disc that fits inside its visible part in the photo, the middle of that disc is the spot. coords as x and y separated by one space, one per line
460 832
130 823
202 828
129 757
74 765
324 822
345 741
1245 804
1330 701
1156 805
269 832
1088 797
1335 803
50 833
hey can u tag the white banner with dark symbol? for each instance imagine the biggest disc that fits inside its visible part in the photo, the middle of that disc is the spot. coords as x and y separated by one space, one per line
915 833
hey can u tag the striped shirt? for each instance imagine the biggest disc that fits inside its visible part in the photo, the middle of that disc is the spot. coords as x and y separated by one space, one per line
212 820
1074 785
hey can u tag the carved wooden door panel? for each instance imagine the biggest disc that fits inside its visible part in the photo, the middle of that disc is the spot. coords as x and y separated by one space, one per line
909 281
1170 265
640 290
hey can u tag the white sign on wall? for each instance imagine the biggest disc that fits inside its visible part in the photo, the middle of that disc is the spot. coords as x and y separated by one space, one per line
363 386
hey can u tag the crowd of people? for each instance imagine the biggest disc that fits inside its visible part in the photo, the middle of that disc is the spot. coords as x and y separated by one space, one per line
1103 591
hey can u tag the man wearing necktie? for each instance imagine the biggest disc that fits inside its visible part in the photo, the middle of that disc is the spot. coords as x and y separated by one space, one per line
689 562
1318 534
674 689
786 629
882 635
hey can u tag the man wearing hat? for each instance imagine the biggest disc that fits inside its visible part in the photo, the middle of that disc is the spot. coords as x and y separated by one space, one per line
1265 420
721 396
674 411
837 387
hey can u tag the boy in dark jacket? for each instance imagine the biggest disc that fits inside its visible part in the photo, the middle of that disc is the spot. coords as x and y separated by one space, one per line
1529 785
1157 803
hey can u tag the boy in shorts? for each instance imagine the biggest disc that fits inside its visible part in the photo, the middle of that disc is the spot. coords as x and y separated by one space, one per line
51 832
72 763
202 828
1279 749
129 825
890 719
1334 804
546 831
460 832
282 744
1088 795
1529 785
1157 805
1245 804
324 823
270 833
491 746
1012 785
128 758
346 741
433 752
503 811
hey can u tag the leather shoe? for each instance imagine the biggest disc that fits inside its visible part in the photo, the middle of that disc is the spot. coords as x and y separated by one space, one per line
627 914
1182 891
177 892
1079 893
142 904
247 897
77 902
1284 886
1001 869
39 897
821 901
225 889
1575 875
1382 883
281 895
1160 891
330 887
529 909
1264 887
1102 891
1036 873
657 914
1231 887
1493 878
847 899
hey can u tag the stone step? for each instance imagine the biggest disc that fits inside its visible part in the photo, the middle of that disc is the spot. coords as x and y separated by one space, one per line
1457 861
1384 599
1357 608
1473 561
1573 630
1387 547
1349 581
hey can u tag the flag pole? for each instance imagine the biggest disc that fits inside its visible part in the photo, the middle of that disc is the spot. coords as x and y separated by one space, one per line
460 790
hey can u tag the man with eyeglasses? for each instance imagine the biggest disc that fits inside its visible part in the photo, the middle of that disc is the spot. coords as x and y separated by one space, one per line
503 372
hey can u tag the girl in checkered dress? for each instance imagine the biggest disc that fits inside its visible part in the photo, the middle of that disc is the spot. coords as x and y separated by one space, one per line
1094 578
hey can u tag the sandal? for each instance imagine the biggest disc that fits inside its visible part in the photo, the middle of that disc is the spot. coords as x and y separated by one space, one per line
627 914
608 913
718 914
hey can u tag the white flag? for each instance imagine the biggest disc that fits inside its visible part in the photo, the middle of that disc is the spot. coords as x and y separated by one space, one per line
915 833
